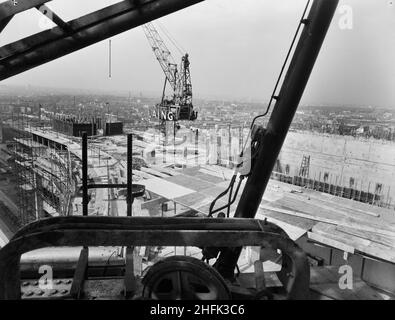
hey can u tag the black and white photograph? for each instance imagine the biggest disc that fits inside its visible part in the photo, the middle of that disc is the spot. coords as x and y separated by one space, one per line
193 157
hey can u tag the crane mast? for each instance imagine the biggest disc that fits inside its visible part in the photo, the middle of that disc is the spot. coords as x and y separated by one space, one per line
184 83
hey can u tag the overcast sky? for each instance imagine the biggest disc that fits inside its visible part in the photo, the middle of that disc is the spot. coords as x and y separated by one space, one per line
236 50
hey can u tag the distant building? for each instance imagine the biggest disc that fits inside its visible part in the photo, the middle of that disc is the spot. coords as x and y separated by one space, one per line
113 128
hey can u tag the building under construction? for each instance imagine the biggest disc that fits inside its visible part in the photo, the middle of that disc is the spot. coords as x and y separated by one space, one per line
196 217
75 127
46 161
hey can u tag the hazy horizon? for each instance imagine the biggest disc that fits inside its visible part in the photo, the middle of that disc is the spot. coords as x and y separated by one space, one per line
152 95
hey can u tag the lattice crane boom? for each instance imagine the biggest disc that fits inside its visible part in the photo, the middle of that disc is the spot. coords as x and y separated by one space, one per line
179 79
162 53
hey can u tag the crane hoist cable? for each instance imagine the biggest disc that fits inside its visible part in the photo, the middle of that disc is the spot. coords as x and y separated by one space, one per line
168 35
273 97
109 59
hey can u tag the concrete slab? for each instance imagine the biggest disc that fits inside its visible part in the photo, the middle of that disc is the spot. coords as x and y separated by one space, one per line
190 182
166 189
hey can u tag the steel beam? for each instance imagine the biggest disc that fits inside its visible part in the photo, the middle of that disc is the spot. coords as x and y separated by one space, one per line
107 186
295 81
9 9
85 197
46 11
143 231
4 23
129 196
51 44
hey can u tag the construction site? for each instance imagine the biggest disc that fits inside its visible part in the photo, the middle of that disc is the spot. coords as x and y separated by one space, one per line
174 211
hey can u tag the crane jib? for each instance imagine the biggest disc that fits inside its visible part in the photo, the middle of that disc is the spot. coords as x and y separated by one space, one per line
180 103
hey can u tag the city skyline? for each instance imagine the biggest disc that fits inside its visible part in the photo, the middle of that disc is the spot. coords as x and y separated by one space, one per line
239 56
28 90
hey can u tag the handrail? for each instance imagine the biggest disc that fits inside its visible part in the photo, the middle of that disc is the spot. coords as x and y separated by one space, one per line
141 231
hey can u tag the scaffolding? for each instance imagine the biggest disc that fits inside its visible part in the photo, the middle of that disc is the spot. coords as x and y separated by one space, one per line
23 162
43 172
304 170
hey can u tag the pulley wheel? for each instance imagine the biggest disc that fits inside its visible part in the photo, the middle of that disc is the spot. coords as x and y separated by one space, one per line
184 278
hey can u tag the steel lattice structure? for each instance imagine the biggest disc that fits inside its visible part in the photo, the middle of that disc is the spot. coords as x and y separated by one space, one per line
70 36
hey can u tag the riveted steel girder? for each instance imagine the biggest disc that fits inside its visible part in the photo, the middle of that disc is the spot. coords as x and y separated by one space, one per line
51 44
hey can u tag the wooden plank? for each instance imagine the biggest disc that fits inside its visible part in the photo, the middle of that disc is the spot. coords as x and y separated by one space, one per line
191 171
382 239
194 200
342 222
190 182
208 178
166 189
143 175
221 171
292 231
213 173
331 205
154 172
327 229
303 223
153 203
341 204
213 191
362 245
277 186
260 282
330 242
9 203
204 209
79 274
130 284
168 171
5 232
347 203
308 208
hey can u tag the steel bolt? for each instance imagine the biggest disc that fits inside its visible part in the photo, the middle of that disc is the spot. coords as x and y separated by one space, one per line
28 293
39 292
53 291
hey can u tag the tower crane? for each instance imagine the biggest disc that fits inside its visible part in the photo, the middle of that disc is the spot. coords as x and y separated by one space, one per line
179 107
